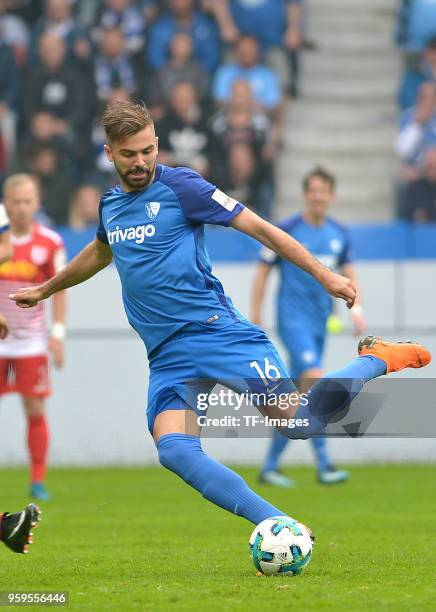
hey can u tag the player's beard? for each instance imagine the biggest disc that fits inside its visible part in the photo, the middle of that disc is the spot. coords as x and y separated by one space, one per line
140 183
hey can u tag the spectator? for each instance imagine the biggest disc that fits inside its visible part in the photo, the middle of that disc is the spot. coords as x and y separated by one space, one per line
42 130
182 17
262 79
277 26
417 73
84 207
47 166
8 103
113 69
8 77
183 133
418 129
14 33
417 24
416 134
102 170
56 91
58 19
239 122
181 67
420 196
125 15
242 179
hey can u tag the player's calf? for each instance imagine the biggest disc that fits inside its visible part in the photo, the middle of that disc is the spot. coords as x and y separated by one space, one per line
183 455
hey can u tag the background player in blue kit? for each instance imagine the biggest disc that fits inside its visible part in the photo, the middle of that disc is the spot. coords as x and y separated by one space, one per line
152 226
303 307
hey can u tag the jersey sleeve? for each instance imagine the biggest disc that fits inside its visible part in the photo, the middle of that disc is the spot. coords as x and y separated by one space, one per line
58 259
201 201
4 219
101 232
346 255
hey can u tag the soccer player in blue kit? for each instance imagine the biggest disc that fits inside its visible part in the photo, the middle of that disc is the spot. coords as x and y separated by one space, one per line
152 226
303 307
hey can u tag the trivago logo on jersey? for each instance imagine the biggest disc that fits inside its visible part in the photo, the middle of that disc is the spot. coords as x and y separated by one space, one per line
138 233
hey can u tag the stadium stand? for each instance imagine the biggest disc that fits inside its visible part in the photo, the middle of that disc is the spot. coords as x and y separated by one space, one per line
416 137
345 116
189 59
61 64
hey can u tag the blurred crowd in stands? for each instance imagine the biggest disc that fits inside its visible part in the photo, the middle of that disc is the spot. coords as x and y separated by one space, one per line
215 74
416 137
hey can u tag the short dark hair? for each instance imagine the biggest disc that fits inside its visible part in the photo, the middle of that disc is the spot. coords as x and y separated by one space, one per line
122 119
321 173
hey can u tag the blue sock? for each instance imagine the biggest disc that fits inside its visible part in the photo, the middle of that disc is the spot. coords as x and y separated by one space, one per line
333 393
183 455
277 445
319 444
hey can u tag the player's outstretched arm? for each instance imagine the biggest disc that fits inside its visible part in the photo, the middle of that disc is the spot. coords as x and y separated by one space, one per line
88 262
290 249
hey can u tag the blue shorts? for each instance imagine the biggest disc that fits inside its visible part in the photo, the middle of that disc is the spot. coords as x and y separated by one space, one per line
239 356
304 344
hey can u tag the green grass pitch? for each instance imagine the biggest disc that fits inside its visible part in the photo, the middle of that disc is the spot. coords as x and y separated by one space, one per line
139 539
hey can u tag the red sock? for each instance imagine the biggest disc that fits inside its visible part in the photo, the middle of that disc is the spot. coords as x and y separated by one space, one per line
37 441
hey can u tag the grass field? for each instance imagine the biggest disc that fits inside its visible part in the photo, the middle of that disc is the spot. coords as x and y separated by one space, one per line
139 539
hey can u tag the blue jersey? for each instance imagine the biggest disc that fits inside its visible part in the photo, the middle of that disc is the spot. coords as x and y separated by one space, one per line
157 240
300 296
421 23
267 20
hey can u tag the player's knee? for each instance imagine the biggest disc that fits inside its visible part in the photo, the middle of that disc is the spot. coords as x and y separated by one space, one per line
175 450
34 406
168 454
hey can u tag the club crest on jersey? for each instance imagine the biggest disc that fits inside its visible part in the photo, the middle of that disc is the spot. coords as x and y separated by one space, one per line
152 210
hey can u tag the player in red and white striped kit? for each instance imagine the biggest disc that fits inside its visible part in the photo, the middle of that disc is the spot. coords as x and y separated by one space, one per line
38 253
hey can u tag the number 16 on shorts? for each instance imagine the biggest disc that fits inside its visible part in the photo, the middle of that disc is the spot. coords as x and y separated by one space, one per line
268 373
